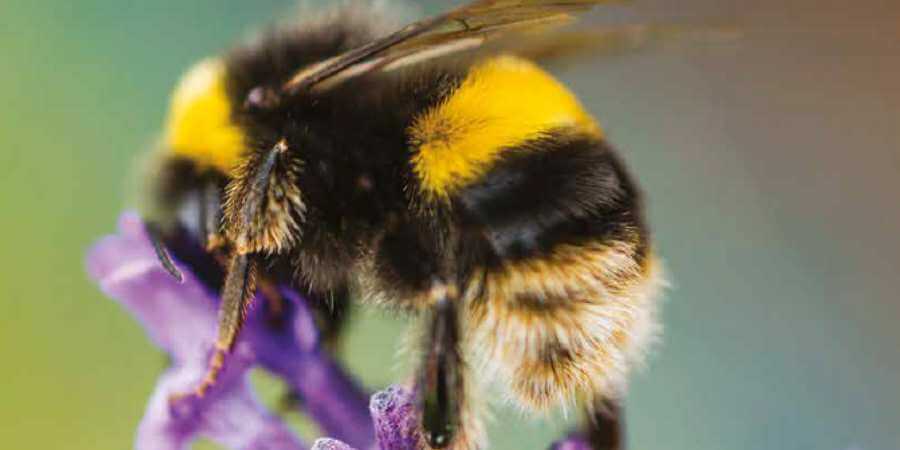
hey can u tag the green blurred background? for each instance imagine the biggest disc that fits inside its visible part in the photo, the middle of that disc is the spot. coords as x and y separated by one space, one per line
771 165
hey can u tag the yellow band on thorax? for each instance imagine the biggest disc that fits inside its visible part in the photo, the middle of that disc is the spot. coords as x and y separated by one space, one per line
503 102
199 125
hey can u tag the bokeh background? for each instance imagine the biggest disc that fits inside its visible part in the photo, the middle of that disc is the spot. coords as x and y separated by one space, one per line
771 165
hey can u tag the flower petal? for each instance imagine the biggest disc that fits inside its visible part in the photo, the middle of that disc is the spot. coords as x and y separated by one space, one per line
330 396
228 415
179 317
330 444
396 422
182 317
573 442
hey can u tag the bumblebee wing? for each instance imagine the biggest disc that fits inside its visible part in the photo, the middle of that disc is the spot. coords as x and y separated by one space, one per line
551 46
466 27
600 41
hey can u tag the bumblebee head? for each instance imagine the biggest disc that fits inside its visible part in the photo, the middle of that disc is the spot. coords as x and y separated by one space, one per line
262 208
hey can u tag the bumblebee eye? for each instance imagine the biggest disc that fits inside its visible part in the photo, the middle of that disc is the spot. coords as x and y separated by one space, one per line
261 98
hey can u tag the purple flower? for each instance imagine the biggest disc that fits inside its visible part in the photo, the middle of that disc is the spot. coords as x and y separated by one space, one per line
181 318
574 442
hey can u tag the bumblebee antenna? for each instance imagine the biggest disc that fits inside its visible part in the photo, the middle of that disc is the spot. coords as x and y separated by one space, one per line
162 254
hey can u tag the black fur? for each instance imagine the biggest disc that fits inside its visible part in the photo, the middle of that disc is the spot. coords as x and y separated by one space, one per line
177 178
563 188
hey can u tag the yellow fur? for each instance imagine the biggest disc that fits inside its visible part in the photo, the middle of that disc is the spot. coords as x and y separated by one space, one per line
566 328
503 102
199 125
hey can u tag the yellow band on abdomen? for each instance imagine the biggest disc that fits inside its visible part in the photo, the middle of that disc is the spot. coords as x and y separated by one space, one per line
503 102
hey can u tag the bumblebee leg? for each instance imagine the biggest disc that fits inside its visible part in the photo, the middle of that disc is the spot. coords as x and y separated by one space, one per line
441 384
240 286
418 265
606 425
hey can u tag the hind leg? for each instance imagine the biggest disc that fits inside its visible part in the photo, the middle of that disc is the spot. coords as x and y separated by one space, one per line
605 425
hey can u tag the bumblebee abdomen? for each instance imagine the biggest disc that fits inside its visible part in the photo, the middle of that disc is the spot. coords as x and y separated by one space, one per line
562 279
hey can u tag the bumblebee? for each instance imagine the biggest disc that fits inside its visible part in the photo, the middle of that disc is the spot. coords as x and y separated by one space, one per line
437 170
